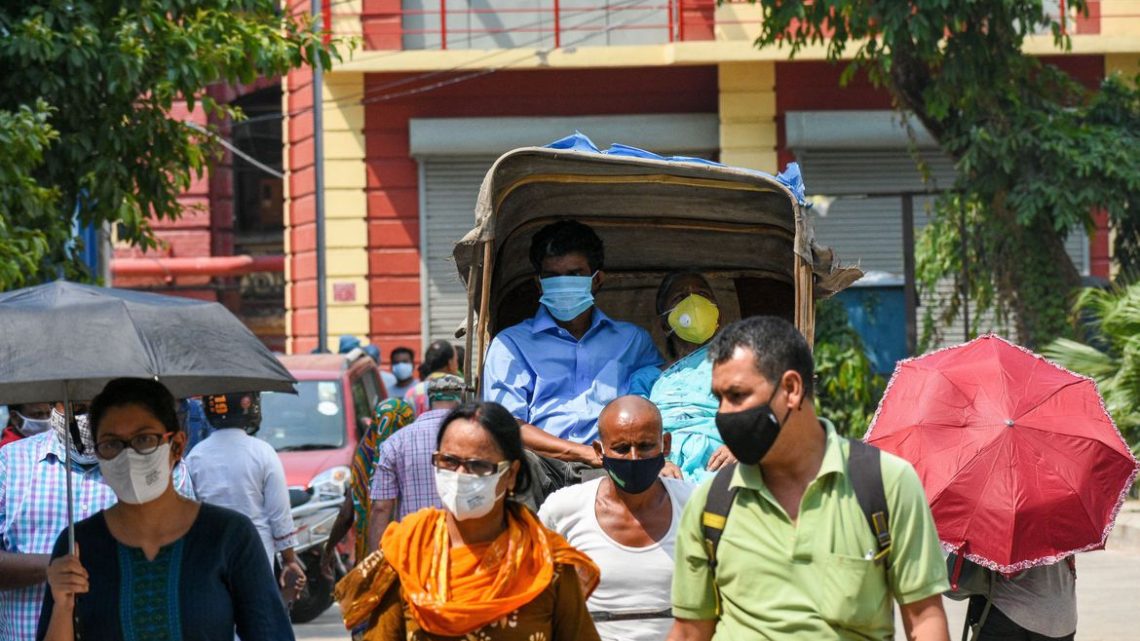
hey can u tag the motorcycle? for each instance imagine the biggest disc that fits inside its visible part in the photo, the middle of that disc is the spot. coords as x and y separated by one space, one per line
313 517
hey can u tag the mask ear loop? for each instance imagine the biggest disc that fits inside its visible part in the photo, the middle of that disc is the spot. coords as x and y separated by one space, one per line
787 414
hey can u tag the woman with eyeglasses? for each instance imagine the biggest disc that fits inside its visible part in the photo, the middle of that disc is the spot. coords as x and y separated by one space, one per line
482 568
156 565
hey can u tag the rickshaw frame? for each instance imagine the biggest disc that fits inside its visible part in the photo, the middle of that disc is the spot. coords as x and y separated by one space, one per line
529 187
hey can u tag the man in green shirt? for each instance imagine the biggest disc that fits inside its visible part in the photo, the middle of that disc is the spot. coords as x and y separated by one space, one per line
796 557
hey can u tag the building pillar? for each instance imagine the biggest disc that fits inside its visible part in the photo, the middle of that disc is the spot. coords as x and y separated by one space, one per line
346 207
346 210
748 114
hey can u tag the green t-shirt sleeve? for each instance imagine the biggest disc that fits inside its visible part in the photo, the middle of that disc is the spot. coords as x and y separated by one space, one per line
693 596
918 569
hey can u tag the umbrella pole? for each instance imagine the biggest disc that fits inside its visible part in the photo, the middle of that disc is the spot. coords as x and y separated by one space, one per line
67 471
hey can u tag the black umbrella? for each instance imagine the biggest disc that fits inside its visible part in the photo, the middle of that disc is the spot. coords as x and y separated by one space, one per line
83 336
63 341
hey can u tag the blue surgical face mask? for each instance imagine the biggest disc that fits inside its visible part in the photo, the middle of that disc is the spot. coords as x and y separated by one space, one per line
32 426
565 297
402 371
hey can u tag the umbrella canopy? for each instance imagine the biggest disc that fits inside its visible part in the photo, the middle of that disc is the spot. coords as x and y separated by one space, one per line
1021 462
83 336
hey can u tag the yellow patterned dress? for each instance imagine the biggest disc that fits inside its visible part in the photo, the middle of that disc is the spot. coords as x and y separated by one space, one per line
389 416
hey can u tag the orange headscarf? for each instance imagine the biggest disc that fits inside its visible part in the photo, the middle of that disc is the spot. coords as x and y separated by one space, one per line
454 591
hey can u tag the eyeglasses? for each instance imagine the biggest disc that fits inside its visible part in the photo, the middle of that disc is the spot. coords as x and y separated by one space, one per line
141 443
474 466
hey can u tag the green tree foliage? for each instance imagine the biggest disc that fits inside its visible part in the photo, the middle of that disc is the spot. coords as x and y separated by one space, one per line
847 389
1036 152
85 112
1109 326
24 135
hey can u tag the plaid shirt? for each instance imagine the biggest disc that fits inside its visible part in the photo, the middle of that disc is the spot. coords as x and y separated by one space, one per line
403 468
33 513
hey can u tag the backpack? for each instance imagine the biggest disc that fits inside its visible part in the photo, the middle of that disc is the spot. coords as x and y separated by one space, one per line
866 480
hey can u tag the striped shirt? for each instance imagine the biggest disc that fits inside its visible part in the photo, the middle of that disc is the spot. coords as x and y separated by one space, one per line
403 469
33 513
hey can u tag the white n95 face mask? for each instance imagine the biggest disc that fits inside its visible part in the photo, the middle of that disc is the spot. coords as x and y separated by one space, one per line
465 495
138 478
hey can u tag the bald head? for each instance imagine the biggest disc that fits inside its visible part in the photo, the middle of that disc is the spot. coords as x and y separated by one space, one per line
629 419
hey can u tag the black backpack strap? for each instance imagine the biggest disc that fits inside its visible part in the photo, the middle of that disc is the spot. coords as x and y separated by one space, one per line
867 481
715 516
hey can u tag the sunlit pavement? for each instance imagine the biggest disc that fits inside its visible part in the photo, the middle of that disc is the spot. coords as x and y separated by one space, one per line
327 627
1108 585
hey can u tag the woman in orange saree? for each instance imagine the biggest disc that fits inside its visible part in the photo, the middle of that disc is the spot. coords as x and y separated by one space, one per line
482 569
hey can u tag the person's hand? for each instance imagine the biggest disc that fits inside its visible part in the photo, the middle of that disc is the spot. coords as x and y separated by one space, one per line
67 578
671 471
721 457
292 579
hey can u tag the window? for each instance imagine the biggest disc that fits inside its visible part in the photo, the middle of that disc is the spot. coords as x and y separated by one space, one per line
360 403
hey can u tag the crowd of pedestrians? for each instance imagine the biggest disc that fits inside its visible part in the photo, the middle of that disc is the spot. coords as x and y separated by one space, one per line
595 491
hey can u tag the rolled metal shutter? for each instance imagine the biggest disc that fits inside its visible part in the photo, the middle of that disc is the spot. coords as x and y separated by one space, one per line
449 187
866 229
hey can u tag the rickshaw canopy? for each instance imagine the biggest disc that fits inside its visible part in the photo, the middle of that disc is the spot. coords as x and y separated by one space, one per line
744 230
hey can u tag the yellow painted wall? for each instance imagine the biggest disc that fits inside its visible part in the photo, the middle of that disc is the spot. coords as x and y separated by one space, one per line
346 207
737 21
738 48
1120 18
748 114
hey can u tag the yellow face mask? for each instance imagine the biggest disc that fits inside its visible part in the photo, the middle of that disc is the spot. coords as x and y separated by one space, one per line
694 319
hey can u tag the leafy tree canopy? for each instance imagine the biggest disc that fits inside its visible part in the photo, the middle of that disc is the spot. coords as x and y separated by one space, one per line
1108 323
85 112
847 388
1036 152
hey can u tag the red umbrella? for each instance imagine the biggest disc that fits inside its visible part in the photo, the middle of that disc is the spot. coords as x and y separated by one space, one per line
1021 462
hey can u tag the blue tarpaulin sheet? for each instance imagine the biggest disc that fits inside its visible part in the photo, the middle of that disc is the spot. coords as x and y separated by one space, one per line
790 177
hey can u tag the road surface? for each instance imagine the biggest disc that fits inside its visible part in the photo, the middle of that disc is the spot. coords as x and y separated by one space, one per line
1108 585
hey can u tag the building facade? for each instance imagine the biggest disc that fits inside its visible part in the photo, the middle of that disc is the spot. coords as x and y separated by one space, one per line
434 92
228 245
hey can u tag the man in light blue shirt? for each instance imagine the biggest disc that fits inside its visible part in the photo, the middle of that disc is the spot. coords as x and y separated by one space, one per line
555 372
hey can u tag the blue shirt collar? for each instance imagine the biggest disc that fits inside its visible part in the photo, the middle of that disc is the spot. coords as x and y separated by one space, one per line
544 322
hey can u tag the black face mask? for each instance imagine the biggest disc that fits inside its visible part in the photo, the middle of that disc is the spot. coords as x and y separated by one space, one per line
750 433
633 476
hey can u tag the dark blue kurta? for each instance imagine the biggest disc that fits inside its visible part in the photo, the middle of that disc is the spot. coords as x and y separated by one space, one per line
199 588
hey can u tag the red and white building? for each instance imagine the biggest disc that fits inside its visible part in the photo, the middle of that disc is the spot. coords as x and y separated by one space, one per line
435 91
